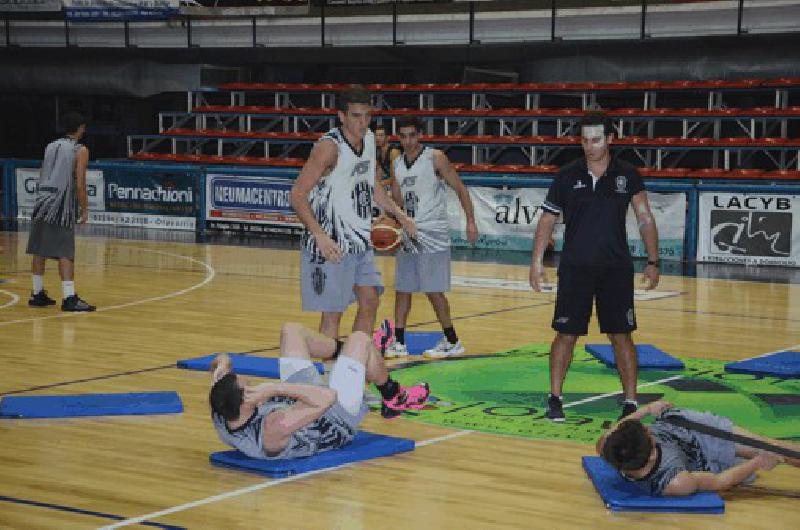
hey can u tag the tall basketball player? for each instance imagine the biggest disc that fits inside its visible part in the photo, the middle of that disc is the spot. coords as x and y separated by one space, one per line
333 199
61 203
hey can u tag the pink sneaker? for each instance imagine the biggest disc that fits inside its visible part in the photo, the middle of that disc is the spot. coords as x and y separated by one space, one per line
384 336
409 397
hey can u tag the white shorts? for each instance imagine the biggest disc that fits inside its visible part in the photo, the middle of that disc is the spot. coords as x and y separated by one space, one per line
347 379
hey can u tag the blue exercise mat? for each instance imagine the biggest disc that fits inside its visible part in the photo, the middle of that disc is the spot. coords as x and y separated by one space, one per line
90 405
780 364
650 357
620 495
419 341
243 364
365 446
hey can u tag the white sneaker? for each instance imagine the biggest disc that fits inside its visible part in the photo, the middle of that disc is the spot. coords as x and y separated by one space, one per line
443 348
396 350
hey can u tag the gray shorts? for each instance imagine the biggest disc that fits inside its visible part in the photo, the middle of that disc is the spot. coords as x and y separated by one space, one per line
426 272
328 287
336 413
51 240
721 453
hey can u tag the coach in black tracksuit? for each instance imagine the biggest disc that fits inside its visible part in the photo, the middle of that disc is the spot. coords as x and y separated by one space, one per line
593 195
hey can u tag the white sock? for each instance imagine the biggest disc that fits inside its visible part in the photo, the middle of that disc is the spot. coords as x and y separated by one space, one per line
38 283
68 288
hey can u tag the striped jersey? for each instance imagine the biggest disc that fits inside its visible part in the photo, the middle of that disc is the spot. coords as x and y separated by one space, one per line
56 199
424 200
342 200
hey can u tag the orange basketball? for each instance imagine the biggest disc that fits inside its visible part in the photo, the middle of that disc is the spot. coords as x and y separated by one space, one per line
386 233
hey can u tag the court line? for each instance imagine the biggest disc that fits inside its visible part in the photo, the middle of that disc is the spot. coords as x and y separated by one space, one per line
668 379
210 273
81 511
88 379
14 299
610 394
261 486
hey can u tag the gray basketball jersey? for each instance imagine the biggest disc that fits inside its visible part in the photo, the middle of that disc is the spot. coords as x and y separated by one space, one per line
681 449
324 434
56 201
425 201
342 200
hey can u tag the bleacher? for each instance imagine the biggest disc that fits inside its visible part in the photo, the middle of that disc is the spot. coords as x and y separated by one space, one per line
742 129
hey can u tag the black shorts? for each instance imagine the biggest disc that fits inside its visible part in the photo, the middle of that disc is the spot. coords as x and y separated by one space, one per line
579 286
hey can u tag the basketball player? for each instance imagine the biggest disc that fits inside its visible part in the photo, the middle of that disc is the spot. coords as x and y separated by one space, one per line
423 266
61 201
299 416
593 194
666 459
333 199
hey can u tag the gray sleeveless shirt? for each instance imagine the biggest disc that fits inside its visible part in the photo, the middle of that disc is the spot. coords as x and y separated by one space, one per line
56 200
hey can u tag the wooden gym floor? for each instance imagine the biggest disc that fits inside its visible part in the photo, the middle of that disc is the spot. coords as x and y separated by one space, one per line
160 301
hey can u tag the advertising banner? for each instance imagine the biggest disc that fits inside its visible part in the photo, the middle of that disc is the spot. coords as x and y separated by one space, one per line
749 229
28 178
151 200
241 201
97 10
29 5
507 219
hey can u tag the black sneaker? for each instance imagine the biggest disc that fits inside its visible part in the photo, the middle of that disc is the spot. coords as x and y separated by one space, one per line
389 414
40 299
74 303
555 410
628 407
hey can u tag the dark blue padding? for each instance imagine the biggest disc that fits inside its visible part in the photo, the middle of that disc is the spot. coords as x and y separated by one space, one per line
620 495
650 357
780 364
243 364
365 446
90 405
419 341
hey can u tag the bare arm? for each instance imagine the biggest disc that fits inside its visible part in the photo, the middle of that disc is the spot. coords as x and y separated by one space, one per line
688 482
445 169
649 233
544 231
323 157
311 403
220 366
397 195
81 163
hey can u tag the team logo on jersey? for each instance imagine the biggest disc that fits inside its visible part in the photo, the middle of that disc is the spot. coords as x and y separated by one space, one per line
579 185
622 184
409 181
410 202
361 168
318 280
362 199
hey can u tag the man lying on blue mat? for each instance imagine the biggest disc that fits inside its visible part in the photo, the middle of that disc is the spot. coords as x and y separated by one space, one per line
667 459
300 416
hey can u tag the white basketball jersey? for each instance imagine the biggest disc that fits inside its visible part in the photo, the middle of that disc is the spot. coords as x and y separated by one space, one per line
342 200
425 201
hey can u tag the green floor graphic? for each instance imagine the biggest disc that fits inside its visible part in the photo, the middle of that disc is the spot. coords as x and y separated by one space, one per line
506 394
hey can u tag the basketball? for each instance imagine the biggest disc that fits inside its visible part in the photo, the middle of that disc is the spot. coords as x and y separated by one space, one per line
386 234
